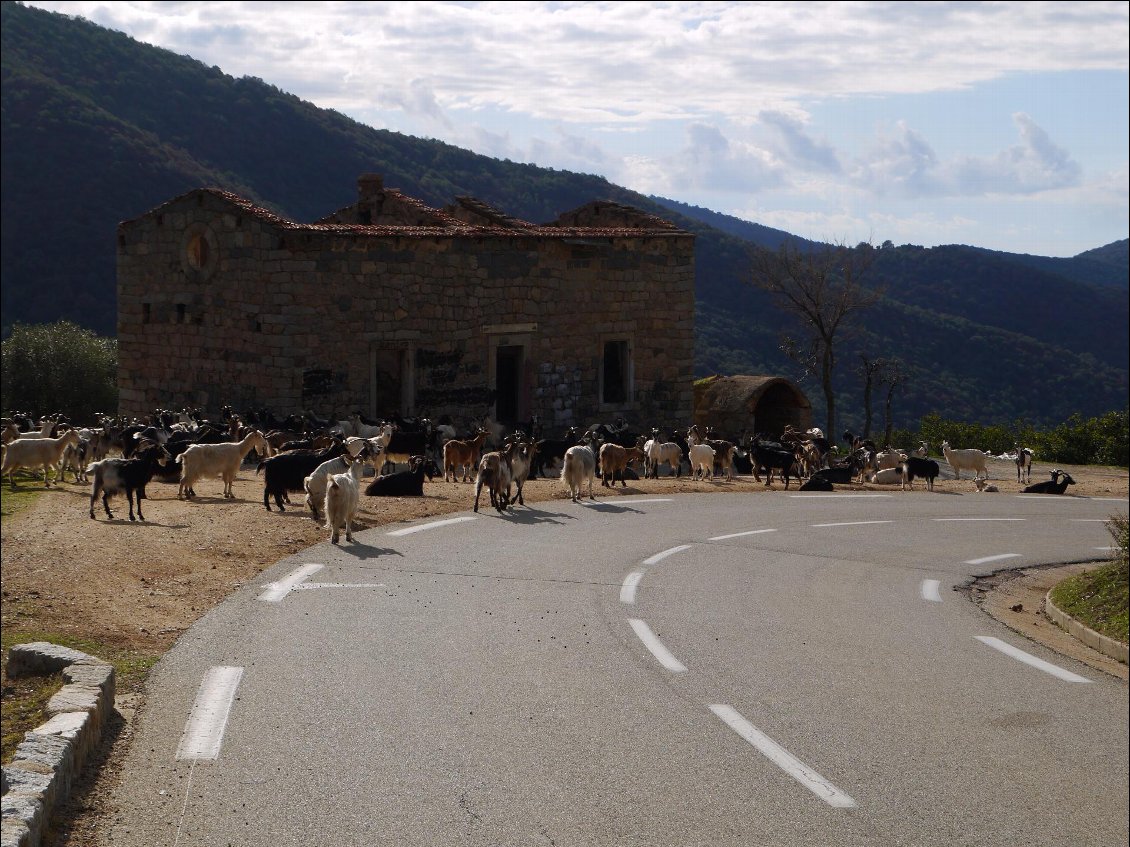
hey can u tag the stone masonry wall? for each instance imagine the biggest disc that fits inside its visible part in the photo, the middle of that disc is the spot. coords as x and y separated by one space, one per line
218 306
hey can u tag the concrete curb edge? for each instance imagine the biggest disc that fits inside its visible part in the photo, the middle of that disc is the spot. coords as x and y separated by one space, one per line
39 778
1095 640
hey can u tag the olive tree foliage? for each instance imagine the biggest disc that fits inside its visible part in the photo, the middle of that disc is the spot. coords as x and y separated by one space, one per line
59 368
822 289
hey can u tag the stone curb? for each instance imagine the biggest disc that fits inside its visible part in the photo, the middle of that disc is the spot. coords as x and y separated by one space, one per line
49 759
1095 640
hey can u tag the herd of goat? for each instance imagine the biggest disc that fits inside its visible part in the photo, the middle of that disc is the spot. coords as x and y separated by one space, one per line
327 460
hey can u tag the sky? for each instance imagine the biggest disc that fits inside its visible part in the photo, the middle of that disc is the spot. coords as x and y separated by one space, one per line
1001 125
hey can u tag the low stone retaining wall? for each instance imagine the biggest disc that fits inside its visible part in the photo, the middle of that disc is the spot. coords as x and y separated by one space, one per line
1095 640
38 780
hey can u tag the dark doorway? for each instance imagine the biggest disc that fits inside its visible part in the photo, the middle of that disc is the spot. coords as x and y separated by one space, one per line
508 384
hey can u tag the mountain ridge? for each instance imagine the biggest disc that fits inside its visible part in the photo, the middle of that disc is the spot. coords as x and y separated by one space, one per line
100 128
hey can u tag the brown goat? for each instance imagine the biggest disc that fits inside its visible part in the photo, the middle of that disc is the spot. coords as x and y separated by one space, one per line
463 454
615 459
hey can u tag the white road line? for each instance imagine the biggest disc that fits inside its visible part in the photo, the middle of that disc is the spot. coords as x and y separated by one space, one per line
654 500
848 523
930 591
1106 499
783 759
1087 520
830 496
433 525
943 520
276 591
1108 549
204 730
305 586
995 558
659 557
740 534
628 589
1028 659
656 646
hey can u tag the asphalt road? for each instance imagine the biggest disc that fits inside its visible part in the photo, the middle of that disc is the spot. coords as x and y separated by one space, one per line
698 670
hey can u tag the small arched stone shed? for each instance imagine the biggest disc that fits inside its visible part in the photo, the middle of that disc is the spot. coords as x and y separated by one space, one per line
755 404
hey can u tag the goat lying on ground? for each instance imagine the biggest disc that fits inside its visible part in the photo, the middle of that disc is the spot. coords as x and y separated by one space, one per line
409 483
983 486
115 476
1056 485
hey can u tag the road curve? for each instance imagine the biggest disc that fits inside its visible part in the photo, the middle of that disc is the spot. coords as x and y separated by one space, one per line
699 669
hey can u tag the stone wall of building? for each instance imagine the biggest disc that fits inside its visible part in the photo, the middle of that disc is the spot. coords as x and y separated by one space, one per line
219 304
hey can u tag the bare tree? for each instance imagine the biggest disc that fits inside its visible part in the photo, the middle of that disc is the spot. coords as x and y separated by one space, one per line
892 376
822 289
868 368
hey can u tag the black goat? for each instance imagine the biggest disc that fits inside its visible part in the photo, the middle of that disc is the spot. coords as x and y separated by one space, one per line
770 458
552 450
926 469
1056 485
114 476
288 471
409 483
817 483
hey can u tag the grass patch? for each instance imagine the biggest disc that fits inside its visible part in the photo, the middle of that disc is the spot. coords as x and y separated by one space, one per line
23 700
1100 598
12 502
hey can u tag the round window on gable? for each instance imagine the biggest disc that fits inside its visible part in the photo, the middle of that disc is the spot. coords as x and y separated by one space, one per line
199 252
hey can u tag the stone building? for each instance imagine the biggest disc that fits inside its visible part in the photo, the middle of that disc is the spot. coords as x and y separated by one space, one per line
755 404
390 306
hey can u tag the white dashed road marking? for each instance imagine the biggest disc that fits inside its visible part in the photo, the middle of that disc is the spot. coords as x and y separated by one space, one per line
656 646
1028 659
849 523
974 520
832 496
740 534
276 591
995 558
930 590
659 557
433 525
628 589
783 759
204 731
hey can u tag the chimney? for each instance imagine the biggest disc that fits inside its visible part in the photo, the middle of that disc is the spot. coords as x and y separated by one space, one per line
370 193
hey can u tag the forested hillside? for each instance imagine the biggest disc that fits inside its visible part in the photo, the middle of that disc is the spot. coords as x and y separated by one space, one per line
99 128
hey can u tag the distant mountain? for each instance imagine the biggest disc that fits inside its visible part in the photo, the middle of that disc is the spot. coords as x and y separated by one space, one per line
99 128
1102 266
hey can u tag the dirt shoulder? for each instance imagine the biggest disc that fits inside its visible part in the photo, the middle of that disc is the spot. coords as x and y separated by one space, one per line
137 587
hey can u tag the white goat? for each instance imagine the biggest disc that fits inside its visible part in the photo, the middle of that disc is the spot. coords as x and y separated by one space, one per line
37 453
886 476
343 493
667 452
702 459
202 461
318 481
965 460
579 467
